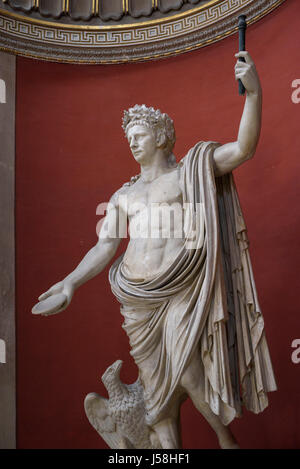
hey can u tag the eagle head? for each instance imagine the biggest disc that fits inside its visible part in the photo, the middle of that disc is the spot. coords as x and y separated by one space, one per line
112 373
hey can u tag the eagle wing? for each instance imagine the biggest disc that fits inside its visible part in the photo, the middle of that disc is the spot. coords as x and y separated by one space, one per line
97 411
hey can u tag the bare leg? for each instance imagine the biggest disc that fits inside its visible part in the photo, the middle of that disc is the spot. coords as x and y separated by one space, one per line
167 432
192 382
225 437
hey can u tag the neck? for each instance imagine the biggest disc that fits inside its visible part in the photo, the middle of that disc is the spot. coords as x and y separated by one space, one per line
159 165
116 391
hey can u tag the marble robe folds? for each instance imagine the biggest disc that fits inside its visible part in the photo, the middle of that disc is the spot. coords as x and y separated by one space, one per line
205 302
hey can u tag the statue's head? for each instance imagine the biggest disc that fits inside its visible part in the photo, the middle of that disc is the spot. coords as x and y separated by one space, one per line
160 123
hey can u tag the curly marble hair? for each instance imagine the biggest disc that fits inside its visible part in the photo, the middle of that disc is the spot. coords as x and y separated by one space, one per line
159 122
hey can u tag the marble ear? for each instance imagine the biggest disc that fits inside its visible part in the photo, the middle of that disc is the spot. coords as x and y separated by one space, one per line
161 139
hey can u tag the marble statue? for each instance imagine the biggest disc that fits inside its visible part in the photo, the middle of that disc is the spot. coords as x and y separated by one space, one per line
185 285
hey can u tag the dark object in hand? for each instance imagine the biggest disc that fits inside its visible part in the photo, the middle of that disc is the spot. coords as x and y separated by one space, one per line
242 24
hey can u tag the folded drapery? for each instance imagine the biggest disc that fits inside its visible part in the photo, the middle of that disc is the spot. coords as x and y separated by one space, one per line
204 302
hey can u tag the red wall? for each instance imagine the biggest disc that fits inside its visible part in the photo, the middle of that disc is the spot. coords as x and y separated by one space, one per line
72 155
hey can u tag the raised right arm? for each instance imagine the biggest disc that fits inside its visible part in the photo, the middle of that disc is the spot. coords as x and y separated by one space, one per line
95 260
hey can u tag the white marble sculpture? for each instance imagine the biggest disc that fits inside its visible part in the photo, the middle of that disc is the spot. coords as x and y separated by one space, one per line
120 419
185 285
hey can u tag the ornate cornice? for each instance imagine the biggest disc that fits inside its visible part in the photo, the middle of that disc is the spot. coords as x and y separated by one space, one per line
99 11
119 43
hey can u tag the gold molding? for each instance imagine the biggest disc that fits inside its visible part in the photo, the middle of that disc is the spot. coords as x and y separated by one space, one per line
116 27
95 7
125 6
66 6
125 52
173 53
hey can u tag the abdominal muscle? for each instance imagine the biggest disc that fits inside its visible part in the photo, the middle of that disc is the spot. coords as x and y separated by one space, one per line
156 229
147 258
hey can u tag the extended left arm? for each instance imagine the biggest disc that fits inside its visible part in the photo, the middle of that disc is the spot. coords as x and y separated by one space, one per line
229 156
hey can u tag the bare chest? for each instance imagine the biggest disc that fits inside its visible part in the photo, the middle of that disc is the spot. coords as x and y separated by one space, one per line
165 190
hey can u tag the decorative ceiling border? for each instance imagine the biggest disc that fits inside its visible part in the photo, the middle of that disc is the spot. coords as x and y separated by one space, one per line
148 40
100 10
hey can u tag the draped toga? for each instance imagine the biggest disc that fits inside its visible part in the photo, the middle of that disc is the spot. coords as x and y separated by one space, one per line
205 302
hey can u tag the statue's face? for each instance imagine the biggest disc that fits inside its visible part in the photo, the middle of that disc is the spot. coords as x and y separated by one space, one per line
142 142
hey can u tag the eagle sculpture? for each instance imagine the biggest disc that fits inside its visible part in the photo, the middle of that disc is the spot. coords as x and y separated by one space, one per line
120 419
